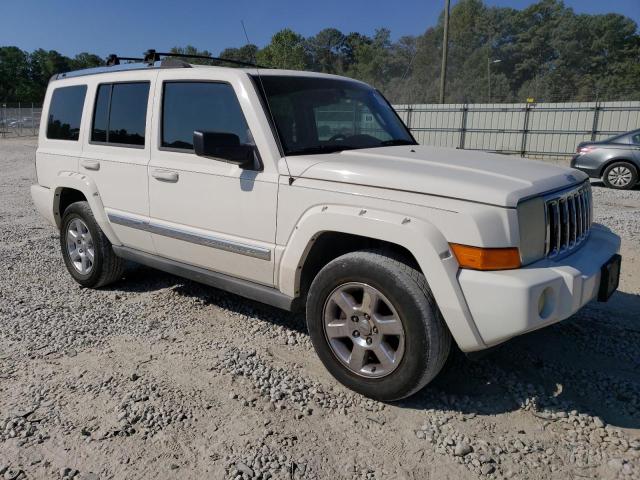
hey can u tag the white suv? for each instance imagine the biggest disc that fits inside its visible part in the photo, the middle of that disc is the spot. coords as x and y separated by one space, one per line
304 190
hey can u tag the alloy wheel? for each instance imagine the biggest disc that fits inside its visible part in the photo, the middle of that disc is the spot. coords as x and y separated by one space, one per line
364 330
620 176
80 246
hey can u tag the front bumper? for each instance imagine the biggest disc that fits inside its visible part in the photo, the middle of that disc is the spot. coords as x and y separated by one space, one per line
508 303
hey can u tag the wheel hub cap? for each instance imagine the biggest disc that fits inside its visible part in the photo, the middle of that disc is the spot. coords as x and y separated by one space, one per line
620 176
363 329
80 246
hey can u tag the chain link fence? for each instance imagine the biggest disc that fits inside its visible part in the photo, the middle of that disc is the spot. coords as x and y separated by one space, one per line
19 119
529 129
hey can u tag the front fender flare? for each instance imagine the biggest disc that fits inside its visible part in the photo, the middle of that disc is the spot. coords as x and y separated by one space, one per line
89 189
421 238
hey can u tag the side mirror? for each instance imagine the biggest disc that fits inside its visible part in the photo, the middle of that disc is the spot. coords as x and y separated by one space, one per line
224 146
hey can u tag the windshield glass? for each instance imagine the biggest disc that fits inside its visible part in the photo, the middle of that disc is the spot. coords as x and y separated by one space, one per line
323 115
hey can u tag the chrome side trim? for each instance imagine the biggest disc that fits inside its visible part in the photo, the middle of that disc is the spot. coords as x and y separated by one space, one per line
127 221
197 238
211 241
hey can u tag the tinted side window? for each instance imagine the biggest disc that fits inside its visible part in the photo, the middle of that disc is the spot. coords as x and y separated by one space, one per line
65 112
205 106
636 139
101 114
121 113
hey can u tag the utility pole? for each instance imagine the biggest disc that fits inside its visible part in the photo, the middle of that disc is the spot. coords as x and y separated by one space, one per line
445 45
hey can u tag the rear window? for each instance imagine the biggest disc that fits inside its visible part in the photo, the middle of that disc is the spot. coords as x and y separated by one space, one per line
65 113
120 114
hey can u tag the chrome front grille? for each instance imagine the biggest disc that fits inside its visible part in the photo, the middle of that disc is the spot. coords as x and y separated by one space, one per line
568 219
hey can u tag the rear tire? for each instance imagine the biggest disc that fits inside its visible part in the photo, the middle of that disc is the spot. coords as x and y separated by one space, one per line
86 250
420 347
620 175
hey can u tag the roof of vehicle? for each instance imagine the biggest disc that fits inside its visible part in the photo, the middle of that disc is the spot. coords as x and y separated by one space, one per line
163 64
613 139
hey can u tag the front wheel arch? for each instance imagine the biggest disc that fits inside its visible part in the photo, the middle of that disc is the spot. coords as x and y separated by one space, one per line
427 245
329 245
611 161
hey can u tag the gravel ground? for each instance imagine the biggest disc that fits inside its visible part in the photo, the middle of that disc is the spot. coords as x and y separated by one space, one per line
158 377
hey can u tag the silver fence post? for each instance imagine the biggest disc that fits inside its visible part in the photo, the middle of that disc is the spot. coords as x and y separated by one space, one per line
409 116
525 130
33 121
20 119
596 118
463 128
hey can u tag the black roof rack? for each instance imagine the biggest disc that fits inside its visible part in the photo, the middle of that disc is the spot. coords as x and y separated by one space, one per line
149 61
151 56
114 59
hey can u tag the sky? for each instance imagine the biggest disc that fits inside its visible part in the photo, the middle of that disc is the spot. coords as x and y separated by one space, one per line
129 27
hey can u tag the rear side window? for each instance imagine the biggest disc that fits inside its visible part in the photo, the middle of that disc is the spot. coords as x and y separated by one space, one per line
65 113
204 106
120 114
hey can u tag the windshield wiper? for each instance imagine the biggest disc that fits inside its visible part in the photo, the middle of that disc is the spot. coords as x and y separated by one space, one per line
320 149
397 141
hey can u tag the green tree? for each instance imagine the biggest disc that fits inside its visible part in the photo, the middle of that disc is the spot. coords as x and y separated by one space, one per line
86 60
545 51
286 50
326 51
191 50
14 74
247 53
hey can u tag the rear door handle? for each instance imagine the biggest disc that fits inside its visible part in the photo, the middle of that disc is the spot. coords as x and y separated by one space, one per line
165 175
90 164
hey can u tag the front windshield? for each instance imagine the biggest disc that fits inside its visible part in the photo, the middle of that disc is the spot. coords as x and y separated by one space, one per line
323 115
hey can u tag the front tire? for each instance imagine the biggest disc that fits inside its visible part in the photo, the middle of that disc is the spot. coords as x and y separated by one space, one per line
86 250
375 325
620 175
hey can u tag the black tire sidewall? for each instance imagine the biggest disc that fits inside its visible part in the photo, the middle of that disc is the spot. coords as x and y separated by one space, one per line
82 211
630 166
413 307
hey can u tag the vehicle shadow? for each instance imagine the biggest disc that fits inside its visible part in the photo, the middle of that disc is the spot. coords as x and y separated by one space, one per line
139 278
589 363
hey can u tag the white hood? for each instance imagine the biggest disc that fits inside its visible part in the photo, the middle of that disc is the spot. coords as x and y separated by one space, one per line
476 176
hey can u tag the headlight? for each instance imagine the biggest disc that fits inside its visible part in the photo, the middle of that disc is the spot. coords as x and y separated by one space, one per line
532 228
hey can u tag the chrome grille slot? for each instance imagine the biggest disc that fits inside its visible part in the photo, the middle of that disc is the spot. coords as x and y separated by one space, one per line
568 220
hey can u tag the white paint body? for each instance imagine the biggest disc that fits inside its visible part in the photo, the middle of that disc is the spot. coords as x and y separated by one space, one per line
421 198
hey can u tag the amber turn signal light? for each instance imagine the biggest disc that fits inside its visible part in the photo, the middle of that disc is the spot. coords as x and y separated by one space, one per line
478 258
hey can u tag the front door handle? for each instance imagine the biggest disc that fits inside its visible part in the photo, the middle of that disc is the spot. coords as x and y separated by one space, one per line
165 176
90 164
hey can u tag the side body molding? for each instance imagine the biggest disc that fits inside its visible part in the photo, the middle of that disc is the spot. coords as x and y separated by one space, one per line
420 237
84 184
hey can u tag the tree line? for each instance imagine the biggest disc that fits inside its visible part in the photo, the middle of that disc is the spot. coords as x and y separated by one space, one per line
544 52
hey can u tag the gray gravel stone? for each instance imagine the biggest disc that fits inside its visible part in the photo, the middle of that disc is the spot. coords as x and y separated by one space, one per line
462 449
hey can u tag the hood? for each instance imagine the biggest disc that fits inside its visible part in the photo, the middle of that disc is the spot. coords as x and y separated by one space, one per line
463 174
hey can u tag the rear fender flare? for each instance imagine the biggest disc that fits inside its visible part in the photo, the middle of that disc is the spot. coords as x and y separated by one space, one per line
89 189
